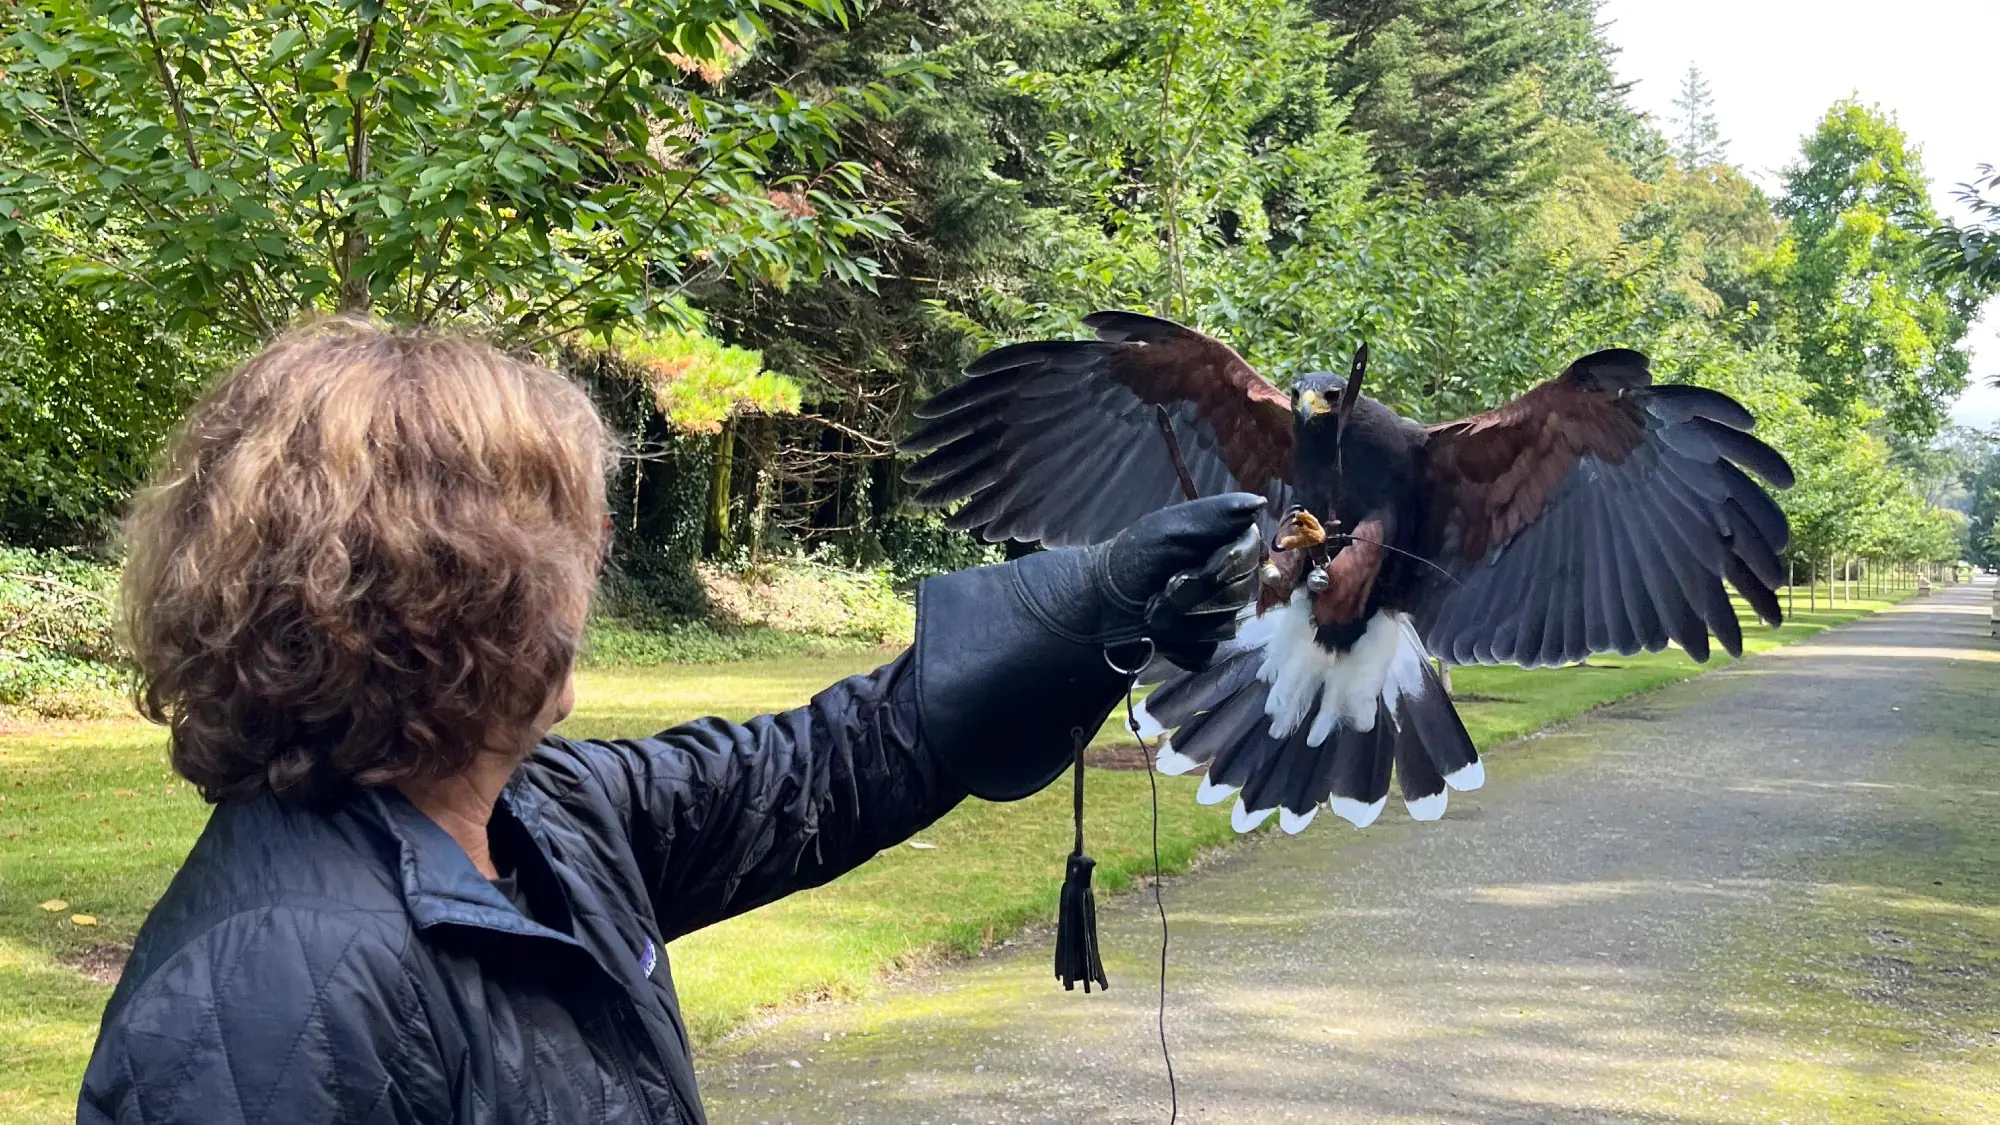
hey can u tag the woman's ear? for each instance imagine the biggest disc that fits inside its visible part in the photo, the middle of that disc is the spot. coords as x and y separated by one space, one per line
560 703
565 700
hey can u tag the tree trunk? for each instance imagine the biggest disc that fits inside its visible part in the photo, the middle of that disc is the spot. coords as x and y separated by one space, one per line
715 536
638 470
354 297
760 509
355 294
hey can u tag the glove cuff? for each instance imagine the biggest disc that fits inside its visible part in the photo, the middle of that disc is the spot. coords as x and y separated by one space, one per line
1004 681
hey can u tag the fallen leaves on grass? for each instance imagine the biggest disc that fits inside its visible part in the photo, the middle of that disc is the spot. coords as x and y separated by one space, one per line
54 905
83 919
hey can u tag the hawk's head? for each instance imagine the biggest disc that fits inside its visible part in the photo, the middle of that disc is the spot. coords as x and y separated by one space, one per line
1316 398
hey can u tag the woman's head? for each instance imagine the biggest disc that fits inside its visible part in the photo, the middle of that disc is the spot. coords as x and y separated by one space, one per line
366 559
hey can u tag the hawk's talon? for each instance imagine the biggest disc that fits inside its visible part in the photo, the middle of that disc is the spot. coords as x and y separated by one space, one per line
1300 529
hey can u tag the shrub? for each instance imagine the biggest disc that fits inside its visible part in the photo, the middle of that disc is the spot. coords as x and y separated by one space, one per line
812 598
919 545
611 644
58 645
87 391
59 654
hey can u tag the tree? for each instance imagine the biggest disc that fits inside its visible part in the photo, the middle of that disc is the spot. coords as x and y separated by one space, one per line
1971 252
1874 322
1698 139
1983 512
1458 182
1458 92
1944 469
538 167
863 355
702 387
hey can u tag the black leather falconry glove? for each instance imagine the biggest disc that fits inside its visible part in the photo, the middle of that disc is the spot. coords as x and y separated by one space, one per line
1011 659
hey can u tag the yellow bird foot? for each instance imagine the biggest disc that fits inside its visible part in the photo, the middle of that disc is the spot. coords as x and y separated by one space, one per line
1300 530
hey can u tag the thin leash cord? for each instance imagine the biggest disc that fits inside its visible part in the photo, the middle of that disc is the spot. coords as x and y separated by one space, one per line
1160 904
1397 550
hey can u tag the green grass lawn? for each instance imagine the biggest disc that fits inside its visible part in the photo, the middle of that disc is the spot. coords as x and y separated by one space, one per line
91 817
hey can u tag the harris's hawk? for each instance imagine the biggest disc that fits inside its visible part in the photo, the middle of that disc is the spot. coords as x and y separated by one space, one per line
1598 512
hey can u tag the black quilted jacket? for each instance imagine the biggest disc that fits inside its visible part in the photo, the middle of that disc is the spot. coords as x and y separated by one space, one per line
355 967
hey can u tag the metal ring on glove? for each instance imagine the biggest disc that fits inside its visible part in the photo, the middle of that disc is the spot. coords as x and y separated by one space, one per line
1112 661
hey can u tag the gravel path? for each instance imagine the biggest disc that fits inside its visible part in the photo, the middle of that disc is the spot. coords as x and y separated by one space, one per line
1536 957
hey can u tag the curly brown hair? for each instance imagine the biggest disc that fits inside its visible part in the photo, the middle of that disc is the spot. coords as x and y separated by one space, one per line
366 558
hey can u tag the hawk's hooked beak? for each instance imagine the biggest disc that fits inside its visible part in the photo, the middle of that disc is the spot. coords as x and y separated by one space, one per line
1308 405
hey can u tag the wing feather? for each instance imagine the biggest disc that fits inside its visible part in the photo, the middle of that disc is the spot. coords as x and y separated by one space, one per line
1602 615
1657 560
974 393
1763 513
940 432
1685 563
1680 402
1642 616
978 473
1747 451
1570 646
1531 633
958 458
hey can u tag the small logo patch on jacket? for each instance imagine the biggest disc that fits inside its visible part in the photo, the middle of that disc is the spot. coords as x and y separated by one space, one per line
649 960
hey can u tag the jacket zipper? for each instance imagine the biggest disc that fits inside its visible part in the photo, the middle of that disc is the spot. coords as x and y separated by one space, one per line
625 1072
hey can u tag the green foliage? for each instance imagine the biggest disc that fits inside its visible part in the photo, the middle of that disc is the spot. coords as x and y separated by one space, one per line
58 648
533 167
678 197
610 644
810 598
862 355
1973 250
1199 166
1150 177
85 388
918 545
697 382
1874 323
1459 94
1983 509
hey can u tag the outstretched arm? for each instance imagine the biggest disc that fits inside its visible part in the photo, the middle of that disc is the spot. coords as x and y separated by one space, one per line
1009 664
724 817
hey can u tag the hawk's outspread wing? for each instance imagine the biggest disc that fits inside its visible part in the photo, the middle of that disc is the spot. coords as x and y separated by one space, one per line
1057 441
1598 513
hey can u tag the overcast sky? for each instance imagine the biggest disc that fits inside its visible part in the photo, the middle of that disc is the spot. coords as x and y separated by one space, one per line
1774 66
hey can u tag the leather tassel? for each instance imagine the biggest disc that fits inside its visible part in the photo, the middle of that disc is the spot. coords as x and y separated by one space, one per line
1076 919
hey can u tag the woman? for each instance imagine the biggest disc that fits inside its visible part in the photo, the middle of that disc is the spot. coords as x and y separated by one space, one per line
355 595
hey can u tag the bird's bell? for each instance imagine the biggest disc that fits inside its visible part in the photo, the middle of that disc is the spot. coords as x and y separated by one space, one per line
1316 579
1269 574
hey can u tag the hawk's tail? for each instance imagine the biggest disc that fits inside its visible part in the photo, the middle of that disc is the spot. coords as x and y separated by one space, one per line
1337 748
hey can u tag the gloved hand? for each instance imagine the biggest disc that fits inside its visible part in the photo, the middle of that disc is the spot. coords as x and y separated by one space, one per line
1011 660
1177 577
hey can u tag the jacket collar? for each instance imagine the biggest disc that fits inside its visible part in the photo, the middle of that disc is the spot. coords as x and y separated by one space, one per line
440 885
